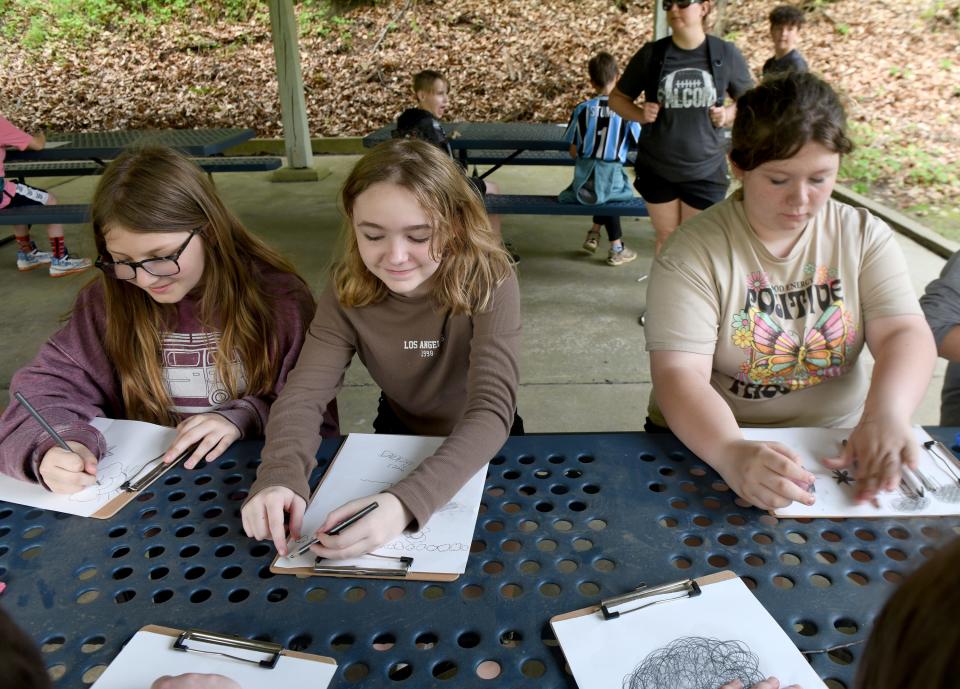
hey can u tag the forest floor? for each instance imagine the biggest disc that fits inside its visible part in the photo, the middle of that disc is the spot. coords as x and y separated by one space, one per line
897 64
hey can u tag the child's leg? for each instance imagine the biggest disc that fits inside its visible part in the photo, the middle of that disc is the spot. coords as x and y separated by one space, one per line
62 263
614 231
665 218
592 240
619 254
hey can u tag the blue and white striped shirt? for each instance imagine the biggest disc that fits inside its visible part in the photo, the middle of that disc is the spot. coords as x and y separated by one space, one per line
599 132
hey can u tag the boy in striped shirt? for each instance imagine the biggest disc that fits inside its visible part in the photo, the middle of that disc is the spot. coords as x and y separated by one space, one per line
599 139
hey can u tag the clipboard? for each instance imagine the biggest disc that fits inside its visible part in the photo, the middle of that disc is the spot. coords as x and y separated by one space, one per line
379 566
711 626
149 473
155 651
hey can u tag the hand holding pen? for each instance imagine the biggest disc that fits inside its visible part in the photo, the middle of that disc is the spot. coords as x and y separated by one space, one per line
68 467
379 526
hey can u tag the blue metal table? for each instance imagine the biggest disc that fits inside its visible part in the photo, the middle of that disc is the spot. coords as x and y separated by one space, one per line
565 520
106 145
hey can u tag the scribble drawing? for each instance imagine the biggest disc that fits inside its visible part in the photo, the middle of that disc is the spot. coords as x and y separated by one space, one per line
950 494
395 461
109 479
453 507
910 503
696 662
108 452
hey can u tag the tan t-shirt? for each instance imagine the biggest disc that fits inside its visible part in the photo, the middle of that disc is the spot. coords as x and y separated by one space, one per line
785 333
442 375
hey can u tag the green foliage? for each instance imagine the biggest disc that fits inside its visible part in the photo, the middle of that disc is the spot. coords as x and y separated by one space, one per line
843 29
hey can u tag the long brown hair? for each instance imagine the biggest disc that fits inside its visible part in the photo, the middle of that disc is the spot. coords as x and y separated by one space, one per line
158 190
472 258
915 642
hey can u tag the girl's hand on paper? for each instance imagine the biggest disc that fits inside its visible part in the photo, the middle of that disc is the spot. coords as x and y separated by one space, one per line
194 680
876 449
380 526
768 475
211 433
262 516
768 683
68 472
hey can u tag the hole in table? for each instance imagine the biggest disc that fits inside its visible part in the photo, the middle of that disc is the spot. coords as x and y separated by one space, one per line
846 626
805 628
547 545
782 582
218 531
566 566
604 565
681 562
444 670
53 643
666 471
202 480
31 552
472 591
342 642
212 512
510 638
898 533
231 572
585 459
152 552
124 596
224 550
657 487
92 644
316 594
702 520
384 642
180 512
796 537
895 554
528 525
544 507
736 519
821 581
529 567
495 491
582 544
56 672
200 595
861 555
549 589
826 557
189 551
697 471
718 561
31 532
789 559
434 592
692 540
493 567
596 525
478 546
355 672
865 535
588 588
559 489
831 536
469 639
511 474
162 596
394 593
178 495
527 490
533 669
425 641
892 576
300 642
488 669
144 497
194 573
712 503
591 489
184 531
750 583
265 573
572 473
858 578
400 672
86 572
678 504
542 473
511 546
667 522
151 531
563 525
122 573
754 560
493 526
259 550
511 508
355 594
88 596
511 591
762 538
841 656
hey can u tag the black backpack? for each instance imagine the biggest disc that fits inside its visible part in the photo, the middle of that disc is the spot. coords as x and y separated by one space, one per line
416 123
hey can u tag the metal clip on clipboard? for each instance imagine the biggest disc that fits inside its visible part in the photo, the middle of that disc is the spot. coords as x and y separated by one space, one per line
644 597
404 565
152 470
944 458
230 641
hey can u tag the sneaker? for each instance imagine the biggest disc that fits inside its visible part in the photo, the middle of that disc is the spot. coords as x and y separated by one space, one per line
68 265
618 258
592 241
34 259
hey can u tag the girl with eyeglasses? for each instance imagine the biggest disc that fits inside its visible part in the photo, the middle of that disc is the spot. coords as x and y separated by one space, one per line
685 78
193 323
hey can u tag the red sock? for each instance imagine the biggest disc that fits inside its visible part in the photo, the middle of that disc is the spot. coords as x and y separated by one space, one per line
24 244
58 246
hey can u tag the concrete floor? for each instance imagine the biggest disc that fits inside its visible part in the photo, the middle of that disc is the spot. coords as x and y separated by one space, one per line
583 366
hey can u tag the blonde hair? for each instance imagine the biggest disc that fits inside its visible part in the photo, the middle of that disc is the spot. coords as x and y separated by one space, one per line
158 190
472 258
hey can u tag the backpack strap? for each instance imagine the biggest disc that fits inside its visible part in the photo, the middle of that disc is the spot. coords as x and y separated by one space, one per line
716 52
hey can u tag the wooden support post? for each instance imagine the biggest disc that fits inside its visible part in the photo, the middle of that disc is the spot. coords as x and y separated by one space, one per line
293 106
660 26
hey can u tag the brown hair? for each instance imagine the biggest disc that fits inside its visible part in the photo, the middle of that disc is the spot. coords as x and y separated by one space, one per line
915 640
473 261
602 69
425 80
778 117
21 665
786 15
158 190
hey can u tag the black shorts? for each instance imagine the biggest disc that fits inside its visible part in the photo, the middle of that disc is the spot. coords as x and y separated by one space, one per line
699 194
28 196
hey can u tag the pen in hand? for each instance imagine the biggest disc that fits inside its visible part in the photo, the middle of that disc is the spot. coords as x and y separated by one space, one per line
43 422
63 474
336 529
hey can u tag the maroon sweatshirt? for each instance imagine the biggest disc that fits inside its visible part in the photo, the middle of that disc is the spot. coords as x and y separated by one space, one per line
72 381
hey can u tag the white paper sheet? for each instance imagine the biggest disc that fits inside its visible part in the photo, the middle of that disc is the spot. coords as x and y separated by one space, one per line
836 491
661 642
148 656
130 444
369 463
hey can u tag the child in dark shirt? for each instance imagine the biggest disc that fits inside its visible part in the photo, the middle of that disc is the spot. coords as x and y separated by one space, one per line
785 24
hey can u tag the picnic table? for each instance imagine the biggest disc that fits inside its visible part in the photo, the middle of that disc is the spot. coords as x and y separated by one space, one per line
565 520
100 146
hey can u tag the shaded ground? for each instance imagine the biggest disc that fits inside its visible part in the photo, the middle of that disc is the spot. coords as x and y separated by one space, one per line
897 62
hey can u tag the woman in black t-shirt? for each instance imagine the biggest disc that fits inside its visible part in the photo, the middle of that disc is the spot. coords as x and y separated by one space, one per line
681 166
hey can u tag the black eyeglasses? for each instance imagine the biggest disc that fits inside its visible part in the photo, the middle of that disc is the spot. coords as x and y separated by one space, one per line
682 4
160 267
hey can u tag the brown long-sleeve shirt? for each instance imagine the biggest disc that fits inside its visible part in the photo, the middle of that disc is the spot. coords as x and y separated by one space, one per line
442 375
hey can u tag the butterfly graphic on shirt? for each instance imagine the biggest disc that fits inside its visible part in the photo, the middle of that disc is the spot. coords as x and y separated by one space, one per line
778 352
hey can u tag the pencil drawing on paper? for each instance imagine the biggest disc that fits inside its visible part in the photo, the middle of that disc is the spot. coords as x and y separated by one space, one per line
397 462
696 662
109 479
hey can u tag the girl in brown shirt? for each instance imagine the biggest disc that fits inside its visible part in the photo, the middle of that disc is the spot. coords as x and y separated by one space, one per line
426 297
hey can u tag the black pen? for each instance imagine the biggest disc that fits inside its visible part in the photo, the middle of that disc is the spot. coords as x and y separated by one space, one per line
43 422
337 528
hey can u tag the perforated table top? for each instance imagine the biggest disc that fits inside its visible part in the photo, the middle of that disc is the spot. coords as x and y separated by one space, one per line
107 145
566 520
